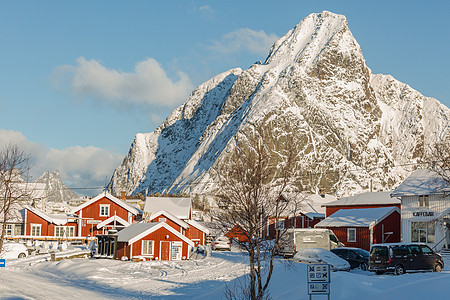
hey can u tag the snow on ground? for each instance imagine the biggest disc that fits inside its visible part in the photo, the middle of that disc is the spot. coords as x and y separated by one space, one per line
34 278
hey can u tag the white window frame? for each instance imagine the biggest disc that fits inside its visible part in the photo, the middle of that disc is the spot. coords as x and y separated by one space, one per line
10 228
145 245
102 213
351 235
67 231
162 219
58 232
33 227
424 201
179 255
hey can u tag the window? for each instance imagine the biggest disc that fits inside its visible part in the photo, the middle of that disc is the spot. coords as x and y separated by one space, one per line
162 220
423 201
104 210
66 231
351 235
9 229
36 229
176 250
423 232
147 247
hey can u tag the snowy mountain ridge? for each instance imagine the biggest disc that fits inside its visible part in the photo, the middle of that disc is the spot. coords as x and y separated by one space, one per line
55 189
357 127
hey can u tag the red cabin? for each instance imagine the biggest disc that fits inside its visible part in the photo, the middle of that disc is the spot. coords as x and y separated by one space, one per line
361 228
38 223
149 241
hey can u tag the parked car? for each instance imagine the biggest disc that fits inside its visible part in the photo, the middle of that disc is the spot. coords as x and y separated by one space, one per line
221 243
356 257
13 250
295 239
403 257
321 256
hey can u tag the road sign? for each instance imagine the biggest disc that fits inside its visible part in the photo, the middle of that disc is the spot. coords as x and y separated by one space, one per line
319 273
319 288
319 279
2 262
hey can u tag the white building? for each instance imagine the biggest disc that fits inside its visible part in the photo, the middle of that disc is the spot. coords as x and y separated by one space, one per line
425 199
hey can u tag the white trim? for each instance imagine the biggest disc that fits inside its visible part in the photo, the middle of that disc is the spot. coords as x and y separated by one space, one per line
36 225
111 219
168 215
348 235
156 227
101 208
142 247
107 195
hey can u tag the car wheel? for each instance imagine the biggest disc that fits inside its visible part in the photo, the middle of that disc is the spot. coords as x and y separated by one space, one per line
363 266
399 270
22 255
438 268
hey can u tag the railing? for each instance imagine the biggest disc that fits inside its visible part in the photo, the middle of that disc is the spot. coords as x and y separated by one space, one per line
48 238
434 247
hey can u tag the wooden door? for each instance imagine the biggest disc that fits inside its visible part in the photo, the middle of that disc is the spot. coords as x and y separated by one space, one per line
164 252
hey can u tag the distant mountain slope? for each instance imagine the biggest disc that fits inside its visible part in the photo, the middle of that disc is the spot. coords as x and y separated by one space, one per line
357 127
56 190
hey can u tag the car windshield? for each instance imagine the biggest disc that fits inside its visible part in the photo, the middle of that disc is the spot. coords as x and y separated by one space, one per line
379 251
362 252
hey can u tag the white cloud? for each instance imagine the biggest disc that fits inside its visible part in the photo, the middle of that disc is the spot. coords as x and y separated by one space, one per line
244 39
80 167
206 11
149 84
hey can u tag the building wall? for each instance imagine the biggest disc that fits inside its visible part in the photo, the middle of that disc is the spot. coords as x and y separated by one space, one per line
411 212
329 210
88 227
157 236
237 233
390 224
362 237
32 218
168 222
195 235
301 221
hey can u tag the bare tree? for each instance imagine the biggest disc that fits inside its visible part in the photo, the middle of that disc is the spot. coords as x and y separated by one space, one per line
14 167
252 179
439 159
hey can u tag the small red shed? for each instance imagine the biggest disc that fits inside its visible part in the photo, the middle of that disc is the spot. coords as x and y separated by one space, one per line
237 233
361 228
148 241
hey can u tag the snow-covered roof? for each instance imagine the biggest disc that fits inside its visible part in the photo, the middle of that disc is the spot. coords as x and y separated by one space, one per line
171 217
112 219
105 194
58 219
198 226
369 198
136 231
362 217
314 204
421 182
177 206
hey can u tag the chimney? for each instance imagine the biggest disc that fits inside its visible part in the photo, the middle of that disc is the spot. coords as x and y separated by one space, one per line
123 196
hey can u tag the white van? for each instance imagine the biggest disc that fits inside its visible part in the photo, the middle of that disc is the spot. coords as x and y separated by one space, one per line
294 239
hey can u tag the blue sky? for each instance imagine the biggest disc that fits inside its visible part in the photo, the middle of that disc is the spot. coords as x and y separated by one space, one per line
80 78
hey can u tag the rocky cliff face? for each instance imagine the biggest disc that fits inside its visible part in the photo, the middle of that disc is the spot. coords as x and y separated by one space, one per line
55 188
358 129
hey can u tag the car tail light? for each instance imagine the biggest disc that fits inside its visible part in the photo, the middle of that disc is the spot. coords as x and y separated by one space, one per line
216 243
228 244
295 248
388 261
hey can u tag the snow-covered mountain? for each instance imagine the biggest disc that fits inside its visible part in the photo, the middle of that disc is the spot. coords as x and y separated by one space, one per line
55 189
359 129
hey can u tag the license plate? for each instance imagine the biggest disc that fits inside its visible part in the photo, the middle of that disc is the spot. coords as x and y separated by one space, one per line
378 261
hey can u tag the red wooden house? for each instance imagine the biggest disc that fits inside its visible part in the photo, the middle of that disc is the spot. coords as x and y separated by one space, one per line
38 223
103 212
361 228
196 232
237 233
156 240
364 200
163 216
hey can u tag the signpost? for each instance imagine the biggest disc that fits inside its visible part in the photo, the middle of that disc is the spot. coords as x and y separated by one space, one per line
319 280
2 263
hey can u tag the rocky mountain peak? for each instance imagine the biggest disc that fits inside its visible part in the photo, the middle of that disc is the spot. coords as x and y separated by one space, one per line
56 190
356 127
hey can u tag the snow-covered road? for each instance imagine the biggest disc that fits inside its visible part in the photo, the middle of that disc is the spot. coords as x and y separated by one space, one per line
85 279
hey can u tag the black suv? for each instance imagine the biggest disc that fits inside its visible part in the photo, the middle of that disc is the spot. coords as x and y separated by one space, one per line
402 257
356 257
